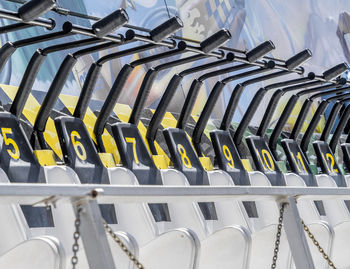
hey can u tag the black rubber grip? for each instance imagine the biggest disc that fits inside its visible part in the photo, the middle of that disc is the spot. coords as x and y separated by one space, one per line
298 59
282 121
112 99
339 129
214 41
53 92
142 96
34 9
231 106
330 121
110 23
158 115
189 103
271 108
301 119
259 51
304 144
87 91
207 110
6 52
248 115
335 71
27 82
166 28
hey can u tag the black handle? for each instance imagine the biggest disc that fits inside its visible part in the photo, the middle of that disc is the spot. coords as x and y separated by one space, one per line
339 129
181 46
259 51
27 82
248 115
298 59
67 28
87 90
34 9
205 115
281 122
301 119
330 121
15 27
110 23
5 53
53 93
217 39
237 92
335 71
165 29
161 108
271 107
312 125
190 100
142 96
112 99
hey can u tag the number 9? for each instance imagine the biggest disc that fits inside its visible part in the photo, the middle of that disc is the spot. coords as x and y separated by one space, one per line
228 156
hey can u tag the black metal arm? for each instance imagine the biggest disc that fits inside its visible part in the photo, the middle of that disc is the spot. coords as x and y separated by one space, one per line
291 63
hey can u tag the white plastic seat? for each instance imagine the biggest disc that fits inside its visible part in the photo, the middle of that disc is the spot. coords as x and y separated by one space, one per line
43 253
322 231
64 218
264 229
159 247
17 241
339 218
221 247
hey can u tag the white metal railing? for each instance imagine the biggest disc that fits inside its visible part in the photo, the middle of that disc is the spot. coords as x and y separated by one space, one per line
92 229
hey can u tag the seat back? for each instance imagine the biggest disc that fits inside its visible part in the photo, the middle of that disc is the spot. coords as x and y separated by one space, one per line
306 207
64 218
185 160
18 161
136 157
13 227
336 209
79 151
264 160
134 218
184 214
268 210
230 212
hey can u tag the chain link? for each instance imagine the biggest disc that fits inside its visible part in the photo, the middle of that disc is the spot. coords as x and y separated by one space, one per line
122 246
76 236
278 237
306 229
317 244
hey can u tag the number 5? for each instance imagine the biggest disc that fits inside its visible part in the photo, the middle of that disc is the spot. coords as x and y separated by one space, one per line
10 141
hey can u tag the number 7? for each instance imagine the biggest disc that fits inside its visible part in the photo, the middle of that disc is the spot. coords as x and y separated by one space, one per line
132 140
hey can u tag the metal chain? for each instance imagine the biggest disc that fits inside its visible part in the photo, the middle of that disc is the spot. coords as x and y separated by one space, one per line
278 237
76 236
317 244
122 246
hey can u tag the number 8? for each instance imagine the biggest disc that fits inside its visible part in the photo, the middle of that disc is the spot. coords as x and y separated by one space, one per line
185 160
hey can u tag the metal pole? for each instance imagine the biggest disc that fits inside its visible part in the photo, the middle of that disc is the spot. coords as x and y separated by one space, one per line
93 235
296 236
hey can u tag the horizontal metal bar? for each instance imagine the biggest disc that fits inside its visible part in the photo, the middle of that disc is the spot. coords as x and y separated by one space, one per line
49 24
32 193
